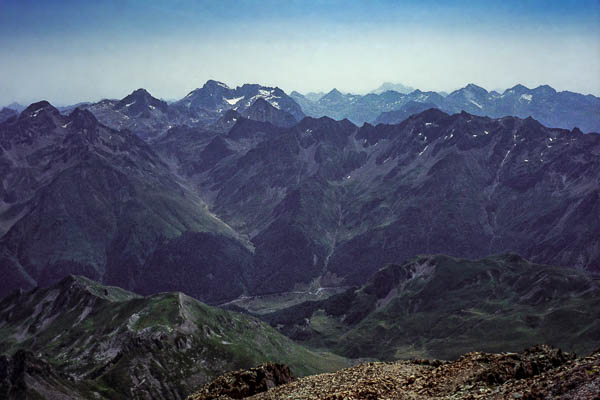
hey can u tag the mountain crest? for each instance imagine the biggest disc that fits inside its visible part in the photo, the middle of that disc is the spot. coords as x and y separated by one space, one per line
39 108
140 101
140 93
211 83
333 96
545 90
474 88
518 89
262 110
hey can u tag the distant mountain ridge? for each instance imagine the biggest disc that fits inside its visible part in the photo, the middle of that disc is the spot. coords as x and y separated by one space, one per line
202 107
149 117
397 87
557 109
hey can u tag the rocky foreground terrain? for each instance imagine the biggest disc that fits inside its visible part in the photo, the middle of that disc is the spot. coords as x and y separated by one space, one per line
539 372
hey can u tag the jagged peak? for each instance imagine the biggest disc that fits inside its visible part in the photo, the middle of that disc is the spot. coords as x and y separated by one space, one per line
211 83
518 88
576 131
530 122
140 92
260 102
474 88
40 107
432 114
333 92
137 101
544 89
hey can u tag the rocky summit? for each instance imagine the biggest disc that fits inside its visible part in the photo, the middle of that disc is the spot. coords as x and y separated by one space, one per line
534 374
245 383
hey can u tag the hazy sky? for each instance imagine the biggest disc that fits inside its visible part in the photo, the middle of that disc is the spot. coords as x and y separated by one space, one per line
71 51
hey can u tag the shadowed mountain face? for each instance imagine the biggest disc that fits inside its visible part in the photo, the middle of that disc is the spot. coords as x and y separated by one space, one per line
551 108
442 307
80 339
327 203
79 197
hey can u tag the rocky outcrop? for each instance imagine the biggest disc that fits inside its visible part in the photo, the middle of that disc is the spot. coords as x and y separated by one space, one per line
540 372
244 383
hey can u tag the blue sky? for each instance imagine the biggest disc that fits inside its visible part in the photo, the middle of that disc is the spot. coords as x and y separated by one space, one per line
70 51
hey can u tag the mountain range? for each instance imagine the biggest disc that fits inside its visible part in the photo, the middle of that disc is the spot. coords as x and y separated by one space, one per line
321 204
556 109
149 117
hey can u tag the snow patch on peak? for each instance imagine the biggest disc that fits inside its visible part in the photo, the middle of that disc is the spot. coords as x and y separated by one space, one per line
234 100
477 104
526 97
36 112
268 96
